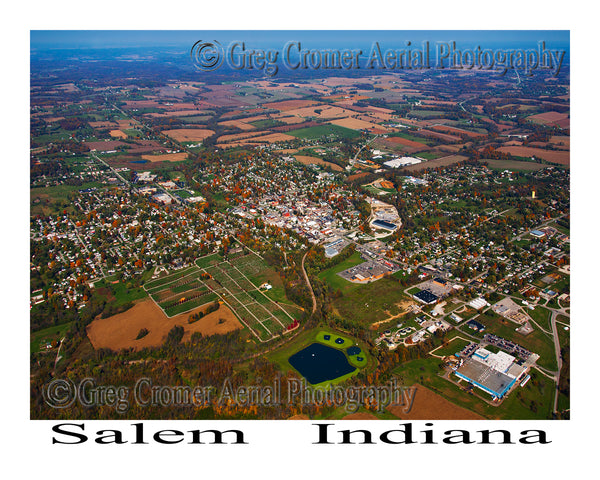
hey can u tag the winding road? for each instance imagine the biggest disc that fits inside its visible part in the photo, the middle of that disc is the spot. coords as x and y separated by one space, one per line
312 293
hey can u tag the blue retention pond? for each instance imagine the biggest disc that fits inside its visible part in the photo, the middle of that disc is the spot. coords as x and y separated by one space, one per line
320 363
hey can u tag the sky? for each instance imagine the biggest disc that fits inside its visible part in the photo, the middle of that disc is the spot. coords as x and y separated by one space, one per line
79 39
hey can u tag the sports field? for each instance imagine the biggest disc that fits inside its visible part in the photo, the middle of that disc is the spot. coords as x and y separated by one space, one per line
236 283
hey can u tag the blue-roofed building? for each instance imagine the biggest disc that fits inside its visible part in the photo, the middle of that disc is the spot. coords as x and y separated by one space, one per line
385 225
494 373
537 234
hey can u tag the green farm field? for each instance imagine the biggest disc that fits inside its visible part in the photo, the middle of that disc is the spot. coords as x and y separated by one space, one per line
324 131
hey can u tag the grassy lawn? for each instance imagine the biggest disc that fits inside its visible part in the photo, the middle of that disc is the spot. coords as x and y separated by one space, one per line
429 155
219 200
322 337
464 313
414 138
277 292
563 285
209 260
332 278
560 228
564 336
281 355
133 132
541 316
47 200
123 294
38 339
553 303
455 345
52 137
371 302
536 342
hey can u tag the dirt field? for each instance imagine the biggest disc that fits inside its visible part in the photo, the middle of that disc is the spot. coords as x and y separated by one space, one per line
356 124
118 134
306 160
548 117
414 123
458 131
245 113
554 156
428 405
356 176
404 305
176 113
119 331
441 136
325 111
167 157
300 416
438 162
127 123
448 148
286 105
238 124
514 165
282 117
271 138
239 136
379 109
244 123
408 143
561 141
360 416
376 117
188 134
105 145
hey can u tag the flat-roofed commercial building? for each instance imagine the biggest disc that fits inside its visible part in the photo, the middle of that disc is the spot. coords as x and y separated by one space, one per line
494 373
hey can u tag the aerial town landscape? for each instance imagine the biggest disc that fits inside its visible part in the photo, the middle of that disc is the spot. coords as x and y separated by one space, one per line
339 228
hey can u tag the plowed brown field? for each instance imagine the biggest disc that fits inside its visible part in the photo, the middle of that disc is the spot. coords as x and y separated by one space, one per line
428 405
188 134
306 160
561 157
119 331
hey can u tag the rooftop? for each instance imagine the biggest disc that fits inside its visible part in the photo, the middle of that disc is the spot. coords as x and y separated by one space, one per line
485 377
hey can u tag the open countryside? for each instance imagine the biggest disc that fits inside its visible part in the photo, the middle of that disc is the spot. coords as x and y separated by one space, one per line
331 228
